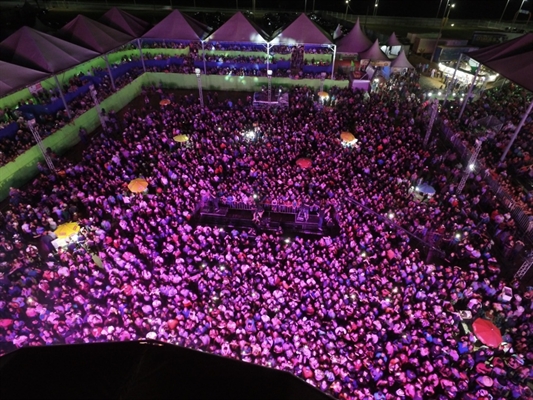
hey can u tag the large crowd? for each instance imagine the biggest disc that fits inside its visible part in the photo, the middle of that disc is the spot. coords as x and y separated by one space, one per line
362 315
12 146
506 104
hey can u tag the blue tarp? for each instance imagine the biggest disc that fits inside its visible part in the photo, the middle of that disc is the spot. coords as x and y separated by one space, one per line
9 131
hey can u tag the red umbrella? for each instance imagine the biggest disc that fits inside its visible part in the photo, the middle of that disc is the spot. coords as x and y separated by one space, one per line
304 163
487 332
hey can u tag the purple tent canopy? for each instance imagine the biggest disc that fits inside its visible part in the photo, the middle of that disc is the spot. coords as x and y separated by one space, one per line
178 26
512 59
93 35
124 22
302 31
374 53
37 50
239 29
13 77
354 42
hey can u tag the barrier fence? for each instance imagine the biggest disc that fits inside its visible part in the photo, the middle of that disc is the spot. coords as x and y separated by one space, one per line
523 221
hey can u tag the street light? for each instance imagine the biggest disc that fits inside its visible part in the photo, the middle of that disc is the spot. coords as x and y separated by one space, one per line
269 77
520 9
376 8
445 19
347 5
504 9
438 10
198 73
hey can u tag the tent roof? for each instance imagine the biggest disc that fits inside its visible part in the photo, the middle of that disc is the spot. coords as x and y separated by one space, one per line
512 59
393 40
401 61
38 50
302 31
374 53
239 29
93 35
354 41
13 77
178 26
124 22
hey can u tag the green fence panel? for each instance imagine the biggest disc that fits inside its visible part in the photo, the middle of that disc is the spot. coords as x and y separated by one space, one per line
165 51
11 101
24 167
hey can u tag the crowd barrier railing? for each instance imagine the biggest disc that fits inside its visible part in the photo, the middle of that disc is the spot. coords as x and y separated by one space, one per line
523 221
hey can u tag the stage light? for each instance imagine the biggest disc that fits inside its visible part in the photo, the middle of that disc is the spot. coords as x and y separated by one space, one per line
391 215
471 167
458 236
363 254
287 240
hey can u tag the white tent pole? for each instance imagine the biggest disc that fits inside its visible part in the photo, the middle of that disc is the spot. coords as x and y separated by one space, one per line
109 71
62 97
469 91
452 81
141 54
333 62
517 130
268 56
203 57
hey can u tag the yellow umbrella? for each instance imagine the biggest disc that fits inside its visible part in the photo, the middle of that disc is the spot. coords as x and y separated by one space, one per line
347 137
323 95
181 138
65 231
164 102
138 185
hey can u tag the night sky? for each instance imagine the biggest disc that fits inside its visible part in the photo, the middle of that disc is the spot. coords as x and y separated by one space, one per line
470 9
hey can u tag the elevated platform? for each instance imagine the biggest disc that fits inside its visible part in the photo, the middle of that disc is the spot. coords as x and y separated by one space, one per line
278 99
288 222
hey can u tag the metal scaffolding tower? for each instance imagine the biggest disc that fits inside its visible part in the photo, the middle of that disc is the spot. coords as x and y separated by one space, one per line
39 141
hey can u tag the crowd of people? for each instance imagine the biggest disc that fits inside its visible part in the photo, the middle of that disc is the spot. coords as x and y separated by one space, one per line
362 315
12 146
507 105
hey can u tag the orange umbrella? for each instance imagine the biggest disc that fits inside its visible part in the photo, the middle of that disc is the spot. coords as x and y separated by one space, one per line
347 137
304 163
487 332
164 102
181 138
65 231
138 185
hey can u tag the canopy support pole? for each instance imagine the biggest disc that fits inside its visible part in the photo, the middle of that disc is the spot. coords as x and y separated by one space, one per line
268 56
110 74
141 54
517 130
333 62
203 57
452 81
62 97
469 92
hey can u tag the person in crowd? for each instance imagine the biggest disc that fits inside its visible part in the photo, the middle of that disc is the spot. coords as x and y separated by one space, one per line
362 315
